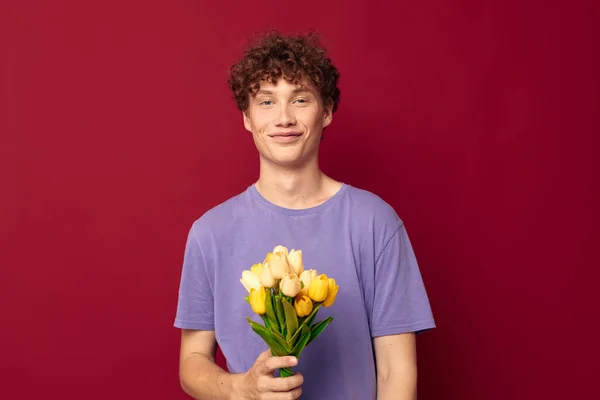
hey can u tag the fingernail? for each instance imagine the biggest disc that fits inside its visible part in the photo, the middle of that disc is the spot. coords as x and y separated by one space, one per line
293 360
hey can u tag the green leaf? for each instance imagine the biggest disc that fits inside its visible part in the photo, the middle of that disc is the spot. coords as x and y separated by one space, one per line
306 322
280 314
281 340
265 320
318 328
304 338
247 298
269 340
291 319
311 317
269 310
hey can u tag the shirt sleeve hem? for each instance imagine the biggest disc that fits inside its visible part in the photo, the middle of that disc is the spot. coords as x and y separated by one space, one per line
201 326
393 329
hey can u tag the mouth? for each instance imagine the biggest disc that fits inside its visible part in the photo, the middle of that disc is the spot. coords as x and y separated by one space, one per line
285 137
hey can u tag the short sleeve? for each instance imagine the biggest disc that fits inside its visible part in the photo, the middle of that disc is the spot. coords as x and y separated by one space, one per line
195 308
400 301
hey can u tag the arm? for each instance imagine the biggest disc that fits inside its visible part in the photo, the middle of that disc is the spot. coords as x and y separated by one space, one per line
202 379
199 375
396 367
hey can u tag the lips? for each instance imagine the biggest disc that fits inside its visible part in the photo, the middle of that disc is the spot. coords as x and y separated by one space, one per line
285 134
285 137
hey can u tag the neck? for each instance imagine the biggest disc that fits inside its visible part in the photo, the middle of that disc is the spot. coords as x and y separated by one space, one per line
295 188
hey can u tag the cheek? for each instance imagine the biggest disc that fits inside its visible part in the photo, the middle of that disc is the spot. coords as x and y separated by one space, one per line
313 118
260 122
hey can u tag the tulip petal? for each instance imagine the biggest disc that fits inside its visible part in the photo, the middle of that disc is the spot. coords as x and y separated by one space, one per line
246 286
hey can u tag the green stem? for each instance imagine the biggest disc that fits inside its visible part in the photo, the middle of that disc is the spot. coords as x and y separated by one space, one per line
285 372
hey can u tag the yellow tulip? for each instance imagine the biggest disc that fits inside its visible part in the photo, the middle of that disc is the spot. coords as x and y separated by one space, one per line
258 299
280 249
256 269
295 261
306 278
290 285
303 305
249 280
279 265
268 258
332 291
266 277
318 288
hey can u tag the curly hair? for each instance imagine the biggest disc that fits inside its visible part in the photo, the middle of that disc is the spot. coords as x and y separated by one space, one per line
293 57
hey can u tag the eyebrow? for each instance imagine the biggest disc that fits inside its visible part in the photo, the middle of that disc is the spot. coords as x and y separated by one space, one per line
295 91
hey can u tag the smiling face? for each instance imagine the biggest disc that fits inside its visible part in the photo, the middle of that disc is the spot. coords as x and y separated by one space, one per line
286 121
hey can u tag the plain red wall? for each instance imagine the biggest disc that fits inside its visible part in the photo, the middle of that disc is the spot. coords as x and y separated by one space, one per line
477 121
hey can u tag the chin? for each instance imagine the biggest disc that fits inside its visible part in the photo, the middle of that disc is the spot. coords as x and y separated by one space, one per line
289 161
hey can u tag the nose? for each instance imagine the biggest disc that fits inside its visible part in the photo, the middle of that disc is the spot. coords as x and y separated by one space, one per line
285 117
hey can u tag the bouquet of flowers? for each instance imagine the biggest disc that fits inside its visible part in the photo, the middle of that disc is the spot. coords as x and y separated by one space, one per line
287 298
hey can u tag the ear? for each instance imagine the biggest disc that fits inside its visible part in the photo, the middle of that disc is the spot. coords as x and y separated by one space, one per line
247 123
328 115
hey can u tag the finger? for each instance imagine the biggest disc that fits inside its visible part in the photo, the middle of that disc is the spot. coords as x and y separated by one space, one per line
271 364
294 394
286 384
264 355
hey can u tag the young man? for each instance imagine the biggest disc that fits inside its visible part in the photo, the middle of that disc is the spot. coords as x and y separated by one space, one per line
286 88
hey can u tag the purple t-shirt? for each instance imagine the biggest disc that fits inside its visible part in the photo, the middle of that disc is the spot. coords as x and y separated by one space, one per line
354 237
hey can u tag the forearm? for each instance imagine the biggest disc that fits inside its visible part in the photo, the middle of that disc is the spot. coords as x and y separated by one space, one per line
401 385
203 379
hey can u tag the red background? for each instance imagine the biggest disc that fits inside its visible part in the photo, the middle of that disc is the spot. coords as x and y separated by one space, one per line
477 121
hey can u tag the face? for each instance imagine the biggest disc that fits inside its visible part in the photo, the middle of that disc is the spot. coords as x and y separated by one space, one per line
286 121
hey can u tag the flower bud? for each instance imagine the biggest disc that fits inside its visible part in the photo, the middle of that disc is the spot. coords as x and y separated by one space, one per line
266 277
317 290
258 299
306 278
332 291
280 249
268 258
279 265
303 305
249 280
295 261
256 268
290 285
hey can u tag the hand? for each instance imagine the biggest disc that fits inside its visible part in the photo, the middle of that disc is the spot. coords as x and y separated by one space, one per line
260 384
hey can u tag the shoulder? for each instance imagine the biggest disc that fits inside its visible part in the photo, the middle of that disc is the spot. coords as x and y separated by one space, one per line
220 218
367 205
373 216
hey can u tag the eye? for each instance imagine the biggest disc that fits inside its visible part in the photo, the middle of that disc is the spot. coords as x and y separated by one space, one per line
266 103
302 101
